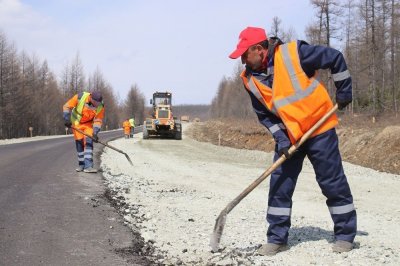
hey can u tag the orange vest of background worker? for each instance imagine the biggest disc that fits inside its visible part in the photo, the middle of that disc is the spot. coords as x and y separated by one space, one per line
127 128
85 111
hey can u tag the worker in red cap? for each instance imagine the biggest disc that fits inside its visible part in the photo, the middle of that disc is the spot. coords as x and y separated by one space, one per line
281 80
85 111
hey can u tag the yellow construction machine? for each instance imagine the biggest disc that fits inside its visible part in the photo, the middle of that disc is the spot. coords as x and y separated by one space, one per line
162 123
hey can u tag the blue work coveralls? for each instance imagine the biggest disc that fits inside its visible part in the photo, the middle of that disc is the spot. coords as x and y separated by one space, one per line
322 151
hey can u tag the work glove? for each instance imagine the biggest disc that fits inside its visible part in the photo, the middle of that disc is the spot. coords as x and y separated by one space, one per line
96 131
68 124
343 104
284 151
283 145
95 137
67 119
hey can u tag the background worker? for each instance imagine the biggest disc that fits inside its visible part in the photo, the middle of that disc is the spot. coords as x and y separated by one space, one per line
85 111
132 122
288 100
127 128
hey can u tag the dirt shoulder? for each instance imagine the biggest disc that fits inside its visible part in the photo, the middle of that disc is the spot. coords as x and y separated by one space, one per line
363 140
176 189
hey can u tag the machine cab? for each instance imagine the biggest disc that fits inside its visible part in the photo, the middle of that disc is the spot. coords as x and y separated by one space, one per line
161 98
162 105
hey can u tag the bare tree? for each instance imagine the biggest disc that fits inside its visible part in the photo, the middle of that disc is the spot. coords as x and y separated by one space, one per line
73 77
348 33
9 78
134 105
313 33
65 81
394 39
276 26
232 99
289 35
327 12
326 28
112 114
77 79
50 119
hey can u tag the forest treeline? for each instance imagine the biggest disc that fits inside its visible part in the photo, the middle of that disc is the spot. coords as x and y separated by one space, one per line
193 111
367 32
32 97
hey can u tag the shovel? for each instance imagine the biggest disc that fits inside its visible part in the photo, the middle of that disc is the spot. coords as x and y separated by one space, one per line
221 219
105 144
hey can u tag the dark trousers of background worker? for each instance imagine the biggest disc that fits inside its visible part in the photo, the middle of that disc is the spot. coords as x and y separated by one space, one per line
84 147
323 153
132 130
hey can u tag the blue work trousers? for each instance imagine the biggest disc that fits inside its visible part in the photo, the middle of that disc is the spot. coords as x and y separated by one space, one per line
323 153
84 148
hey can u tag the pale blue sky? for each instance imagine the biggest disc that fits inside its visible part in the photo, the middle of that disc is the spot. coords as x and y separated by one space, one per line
175 45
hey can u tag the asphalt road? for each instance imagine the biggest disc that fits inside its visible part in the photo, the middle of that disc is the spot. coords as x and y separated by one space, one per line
52 215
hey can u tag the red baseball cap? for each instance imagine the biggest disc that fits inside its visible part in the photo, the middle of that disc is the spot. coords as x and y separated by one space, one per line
248 37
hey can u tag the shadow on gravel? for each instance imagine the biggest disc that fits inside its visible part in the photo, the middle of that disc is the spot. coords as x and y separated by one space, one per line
299 235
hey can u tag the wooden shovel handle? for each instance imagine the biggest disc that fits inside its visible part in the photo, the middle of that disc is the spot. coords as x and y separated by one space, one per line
278 162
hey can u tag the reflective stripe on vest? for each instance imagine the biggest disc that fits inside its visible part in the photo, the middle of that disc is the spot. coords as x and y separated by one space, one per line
76 114
299 100
299 92
252 84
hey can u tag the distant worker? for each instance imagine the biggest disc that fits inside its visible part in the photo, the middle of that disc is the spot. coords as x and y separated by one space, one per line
85 111
127 128
281 80
132 122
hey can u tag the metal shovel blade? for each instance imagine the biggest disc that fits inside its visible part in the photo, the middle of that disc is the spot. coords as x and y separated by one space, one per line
218 229
129 159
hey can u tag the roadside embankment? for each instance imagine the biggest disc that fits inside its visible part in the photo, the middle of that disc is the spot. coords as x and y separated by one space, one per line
375 146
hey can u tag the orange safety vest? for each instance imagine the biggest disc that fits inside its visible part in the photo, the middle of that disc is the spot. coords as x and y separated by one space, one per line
299 101
83 113
127 127
77 112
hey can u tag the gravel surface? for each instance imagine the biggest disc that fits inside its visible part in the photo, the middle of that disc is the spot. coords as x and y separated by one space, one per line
176 189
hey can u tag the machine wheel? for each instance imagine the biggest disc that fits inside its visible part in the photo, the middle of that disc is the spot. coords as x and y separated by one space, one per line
145 132
178 132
